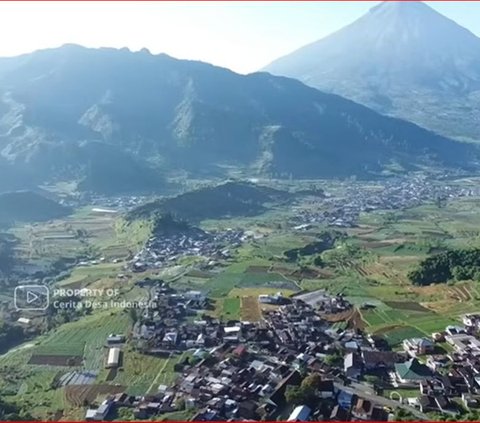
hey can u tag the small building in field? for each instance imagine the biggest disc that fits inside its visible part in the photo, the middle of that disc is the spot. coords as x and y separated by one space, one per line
100 413
115 339
113 359
195 296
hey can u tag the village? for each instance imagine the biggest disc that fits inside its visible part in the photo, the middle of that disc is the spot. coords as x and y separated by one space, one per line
392 194
293 364
167 248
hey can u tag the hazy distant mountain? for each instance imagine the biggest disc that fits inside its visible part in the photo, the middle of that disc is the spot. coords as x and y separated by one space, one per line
114 120
401 58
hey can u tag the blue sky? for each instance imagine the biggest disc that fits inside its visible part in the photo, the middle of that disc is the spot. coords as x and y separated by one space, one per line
243 36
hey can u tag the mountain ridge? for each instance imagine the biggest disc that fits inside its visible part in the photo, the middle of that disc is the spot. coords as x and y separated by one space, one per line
73 112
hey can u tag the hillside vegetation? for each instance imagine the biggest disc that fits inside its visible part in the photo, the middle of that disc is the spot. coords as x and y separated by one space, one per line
6 252
226 200
114 121
461 264
28 206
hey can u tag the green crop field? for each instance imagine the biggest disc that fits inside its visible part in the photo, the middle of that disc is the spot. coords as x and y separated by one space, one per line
60 347
87 335
231 308
143 374
396 335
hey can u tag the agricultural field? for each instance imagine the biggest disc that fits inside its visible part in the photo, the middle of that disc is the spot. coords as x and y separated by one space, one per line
231 308
30 373
250 309
83 234
84 339
81 395
374 280
395 246
142 374
396 334
391 244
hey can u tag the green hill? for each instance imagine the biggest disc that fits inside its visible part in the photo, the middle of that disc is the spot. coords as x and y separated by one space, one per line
226 200
28 206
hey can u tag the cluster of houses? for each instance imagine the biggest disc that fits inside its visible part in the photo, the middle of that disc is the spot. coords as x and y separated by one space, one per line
239 370
169 247
454 372
396 193
243 370
443 368
119 203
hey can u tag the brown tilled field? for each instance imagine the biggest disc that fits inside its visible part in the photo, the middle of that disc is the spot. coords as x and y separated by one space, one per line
56 360
356 321
257 269
464 293
250 309
378 269
339 317
79 395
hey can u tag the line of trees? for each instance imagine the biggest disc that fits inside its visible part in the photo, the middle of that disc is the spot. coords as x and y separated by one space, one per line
10 335
6 251
12 412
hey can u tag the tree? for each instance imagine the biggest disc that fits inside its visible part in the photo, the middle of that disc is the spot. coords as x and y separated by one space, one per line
312 381
317 261
402 415
334 359
459 273
390 217
441 201
300 395
293 395
181 404
133 315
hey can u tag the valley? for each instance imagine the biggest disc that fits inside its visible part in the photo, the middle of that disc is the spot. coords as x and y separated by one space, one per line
354 239
180 241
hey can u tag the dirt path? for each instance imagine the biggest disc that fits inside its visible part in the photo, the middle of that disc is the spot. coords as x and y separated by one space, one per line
160 373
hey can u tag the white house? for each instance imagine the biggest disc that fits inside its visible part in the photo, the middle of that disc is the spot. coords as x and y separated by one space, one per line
194 295
418 346
300 414
463 341
101 412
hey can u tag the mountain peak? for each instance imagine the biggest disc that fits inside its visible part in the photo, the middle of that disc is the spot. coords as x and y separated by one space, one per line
395 49
388 12
401 6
